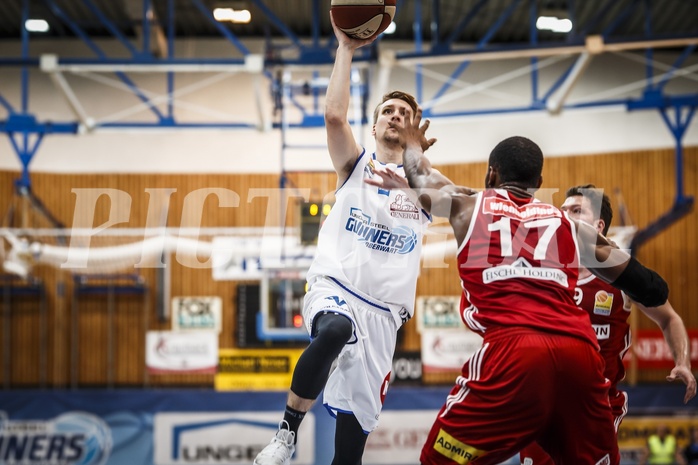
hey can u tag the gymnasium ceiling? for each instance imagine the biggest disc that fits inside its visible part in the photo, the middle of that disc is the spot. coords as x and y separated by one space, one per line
624 18
449 31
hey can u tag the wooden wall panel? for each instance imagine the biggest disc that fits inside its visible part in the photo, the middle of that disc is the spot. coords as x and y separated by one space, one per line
646 180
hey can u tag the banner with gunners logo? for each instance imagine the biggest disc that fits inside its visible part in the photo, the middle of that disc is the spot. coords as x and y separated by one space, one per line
204 427
138 427
70 438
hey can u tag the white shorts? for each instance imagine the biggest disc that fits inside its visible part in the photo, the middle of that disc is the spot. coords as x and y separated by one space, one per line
360 381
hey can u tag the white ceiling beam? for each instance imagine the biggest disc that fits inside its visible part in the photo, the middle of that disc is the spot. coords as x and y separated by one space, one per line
546 52
252 64
48 65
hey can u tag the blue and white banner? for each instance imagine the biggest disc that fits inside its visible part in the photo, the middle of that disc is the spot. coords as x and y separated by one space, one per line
208 438
205 427
72 438
76 438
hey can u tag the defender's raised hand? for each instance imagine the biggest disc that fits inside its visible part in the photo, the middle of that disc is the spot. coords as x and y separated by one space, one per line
415 132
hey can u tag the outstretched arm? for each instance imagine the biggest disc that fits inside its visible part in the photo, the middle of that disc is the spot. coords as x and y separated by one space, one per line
437 193
675 335
617 267
647 289
340 140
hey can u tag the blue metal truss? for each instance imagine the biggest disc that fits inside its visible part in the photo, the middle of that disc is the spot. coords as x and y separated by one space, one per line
26 130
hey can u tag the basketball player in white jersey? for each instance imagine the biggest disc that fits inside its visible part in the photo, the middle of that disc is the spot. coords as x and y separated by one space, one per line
363 280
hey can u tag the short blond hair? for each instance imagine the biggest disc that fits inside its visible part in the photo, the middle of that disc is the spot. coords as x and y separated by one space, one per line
396 94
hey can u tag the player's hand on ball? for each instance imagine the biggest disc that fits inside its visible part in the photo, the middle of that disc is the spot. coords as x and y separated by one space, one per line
344 39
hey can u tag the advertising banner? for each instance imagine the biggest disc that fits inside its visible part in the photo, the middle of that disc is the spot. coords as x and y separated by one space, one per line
399 437
181 352
224 438
438 312
634 431
70 438
447 349
229 261
197 313
407 368
652 351
251 369
204 427
135 427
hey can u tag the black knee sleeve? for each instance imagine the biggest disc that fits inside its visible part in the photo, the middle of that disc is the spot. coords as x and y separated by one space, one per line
331 332
332 329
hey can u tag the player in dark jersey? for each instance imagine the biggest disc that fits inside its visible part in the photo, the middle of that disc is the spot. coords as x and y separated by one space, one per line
538 375
608 310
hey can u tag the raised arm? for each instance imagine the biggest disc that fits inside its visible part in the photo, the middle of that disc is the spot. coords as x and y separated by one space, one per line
675 335
437 193
340 140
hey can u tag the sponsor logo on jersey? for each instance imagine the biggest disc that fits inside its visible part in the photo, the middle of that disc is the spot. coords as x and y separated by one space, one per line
403 207
603 302
404 315
376 236
602 331
370 168
455 450
521 268
73 438
606 460
529 211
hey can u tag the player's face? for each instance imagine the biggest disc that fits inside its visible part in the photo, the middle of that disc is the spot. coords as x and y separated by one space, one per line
578 207
392 114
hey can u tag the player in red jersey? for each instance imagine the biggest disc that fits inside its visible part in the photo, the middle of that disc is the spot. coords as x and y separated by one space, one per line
608 310
538 375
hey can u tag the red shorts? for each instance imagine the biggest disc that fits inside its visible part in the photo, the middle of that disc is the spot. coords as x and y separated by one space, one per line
533 454
619 406
524 386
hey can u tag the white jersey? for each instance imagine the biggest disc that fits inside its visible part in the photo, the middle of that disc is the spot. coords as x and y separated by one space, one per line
371 241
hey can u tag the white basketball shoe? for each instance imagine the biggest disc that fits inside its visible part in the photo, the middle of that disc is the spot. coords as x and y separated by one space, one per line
280 450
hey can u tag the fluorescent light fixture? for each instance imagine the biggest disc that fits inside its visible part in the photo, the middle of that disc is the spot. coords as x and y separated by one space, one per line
36 25
390 29
234 16
552 23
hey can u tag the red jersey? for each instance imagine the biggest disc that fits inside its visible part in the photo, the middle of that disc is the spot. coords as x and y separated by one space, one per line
609 314
519 266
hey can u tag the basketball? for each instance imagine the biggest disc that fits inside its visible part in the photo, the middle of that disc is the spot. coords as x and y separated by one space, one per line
363 19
